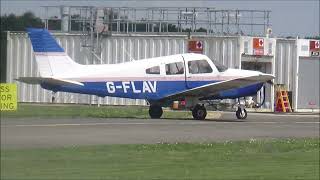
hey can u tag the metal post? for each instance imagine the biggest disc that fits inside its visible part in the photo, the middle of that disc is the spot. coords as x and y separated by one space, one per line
46 20
251 22
273 72
222 23
65 18
296 78
91 43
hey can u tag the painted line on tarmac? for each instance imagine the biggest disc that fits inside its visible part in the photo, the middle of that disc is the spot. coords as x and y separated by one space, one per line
308 122
185 123
285 115
97 124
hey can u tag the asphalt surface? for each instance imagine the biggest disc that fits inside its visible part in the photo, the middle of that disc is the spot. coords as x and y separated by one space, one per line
37 132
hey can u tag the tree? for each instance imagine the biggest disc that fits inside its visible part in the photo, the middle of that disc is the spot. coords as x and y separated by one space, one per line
20 23
313 37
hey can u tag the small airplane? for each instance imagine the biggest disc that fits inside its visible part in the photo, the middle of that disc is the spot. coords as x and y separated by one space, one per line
191 77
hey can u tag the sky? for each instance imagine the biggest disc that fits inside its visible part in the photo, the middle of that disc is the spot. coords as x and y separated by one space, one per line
288 17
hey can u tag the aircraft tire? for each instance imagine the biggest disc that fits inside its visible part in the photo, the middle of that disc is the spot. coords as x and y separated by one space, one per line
199 112
241 115
155 111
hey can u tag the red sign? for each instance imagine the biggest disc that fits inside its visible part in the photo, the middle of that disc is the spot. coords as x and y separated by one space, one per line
314 48
258 46
195 46
314 45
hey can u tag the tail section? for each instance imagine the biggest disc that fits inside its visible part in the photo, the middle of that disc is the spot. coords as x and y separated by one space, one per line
50 56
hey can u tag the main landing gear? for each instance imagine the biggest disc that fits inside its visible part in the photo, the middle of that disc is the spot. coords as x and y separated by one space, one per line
199 112
155 111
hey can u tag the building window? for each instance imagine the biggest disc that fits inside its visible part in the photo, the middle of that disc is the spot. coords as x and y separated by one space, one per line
246 47
174 68
270 48
197 67
304 48
153 70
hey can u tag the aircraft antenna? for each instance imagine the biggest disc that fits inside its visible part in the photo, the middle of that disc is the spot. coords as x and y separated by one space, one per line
131 58
96 56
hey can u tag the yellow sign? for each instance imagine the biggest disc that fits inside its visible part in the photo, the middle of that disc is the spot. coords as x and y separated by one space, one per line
8 97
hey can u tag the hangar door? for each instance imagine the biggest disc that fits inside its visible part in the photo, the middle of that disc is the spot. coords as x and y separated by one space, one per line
308 90
264 67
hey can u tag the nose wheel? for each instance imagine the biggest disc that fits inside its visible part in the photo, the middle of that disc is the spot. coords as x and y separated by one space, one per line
241 113
155 111
199 112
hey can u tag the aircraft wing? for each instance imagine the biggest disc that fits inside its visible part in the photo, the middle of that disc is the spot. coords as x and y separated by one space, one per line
214 88
49 80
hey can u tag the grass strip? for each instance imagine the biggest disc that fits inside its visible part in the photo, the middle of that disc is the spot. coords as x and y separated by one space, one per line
284 159
29 110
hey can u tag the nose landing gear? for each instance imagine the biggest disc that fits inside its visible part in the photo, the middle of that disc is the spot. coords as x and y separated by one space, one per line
241 113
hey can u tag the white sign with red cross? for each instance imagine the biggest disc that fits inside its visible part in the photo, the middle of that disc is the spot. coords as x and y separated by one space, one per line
199 45
317 45
195 46
258 46
261 42
314 48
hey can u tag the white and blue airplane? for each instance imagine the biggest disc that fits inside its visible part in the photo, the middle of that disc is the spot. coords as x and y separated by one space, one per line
160 81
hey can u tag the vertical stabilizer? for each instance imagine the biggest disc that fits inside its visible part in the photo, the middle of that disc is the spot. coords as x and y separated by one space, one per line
50 56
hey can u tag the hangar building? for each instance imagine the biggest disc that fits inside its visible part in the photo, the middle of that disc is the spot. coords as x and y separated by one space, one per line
294 62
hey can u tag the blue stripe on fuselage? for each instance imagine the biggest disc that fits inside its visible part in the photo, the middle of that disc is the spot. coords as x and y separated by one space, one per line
150 90
239 92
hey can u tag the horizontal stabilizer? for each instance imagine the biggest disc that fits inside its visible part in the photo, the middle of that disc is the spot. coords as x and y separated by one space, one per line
48 80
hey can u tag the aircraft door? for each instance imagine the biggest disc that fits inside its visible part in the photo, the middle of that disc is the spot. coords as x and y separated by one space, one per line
197 72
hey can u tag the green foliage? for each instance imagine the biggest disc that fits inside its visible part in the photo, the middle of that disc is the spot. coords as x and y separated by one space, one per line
285 159
20 23
313 37
12 22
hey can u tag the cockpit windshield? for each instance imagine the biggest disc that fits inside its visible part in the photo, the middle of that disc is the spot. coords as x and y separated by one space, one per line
220 67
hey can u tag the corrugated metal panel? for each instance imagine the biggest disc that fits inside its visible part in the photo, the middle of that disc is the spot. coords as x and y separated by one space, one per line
115 49
309 68
285 63
223 49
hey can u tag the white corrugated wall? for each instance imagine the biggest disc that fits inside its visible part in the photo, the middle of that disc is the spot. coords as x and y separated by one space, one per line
286 57
114 49
286 66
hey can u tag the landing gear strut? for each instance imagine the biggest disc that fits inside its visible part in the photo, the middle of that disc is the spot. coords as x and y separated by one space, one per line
241 113
199 112
155 111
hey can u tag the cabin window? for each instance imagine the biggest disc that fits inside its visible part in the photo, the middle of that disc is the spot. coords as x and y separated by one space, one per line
153 70
220 67
174 68
197 67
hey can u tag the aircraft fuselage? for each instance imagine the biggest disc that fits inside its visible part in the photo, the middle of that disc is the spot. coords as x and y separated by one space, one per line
150 90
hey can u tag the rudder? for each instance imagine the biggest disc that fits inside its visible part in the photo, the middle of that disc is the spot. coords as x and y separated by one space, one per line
50 56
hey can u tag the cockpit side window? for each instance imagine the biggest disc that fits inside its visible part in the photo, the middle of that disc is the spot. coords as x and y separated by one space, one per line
199 67
153 70
220 67
174 68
